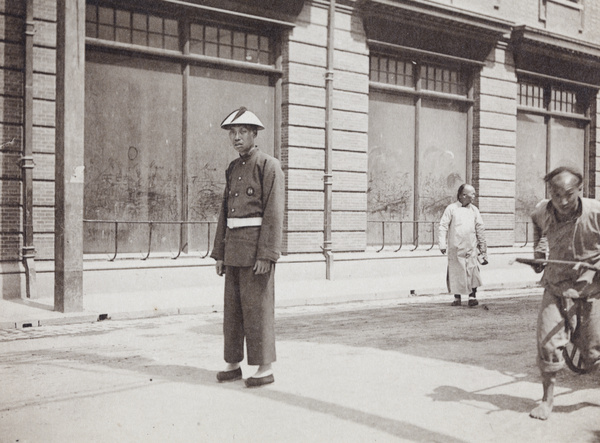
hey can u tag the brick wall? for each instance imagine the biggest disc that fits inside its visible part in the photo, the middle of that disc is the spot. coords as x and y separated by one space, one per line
44 95
12 63
12 22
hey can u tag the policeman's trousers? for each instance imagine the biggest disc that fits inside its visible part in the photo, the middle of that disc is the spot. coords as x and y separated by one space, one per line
249 312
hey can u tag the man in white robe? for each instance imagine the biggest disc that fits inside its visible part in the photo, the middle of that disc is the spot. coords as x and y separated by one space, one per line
462 234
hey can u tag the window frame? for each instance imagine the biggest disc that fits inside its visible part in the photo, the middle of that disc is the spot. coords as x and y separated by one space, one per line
186 15
549 86
420 59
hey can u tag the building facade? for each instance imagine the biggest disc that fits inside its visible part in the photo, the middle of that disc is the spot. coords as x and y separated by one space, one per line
377 109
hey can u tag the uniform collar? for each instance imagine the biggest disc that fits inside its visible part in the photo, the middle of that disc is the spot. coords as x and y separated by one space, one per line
250 153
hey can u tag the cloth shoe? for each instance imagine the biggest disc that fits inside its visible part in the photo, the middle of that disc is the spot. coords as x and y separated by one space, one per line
473 302
255 382
232 375
456 302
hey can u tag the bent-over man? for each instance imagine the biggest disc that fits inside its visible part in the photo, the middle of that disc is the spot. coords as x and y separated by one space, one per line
570 225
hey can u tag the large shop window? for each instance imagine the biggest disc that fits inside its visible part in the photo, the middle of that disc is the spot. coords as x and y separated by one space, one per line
418 137
552 131
154 150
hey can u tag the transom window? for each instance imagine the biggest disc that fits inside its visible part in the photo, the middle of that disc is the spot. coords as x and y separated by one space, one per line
391 71
400 72
553 98
144 29
218 41
136 28
442 79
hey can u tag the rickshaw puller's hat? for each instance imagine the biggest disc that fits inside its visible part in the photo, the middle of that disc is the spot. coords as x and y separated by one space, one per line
242 117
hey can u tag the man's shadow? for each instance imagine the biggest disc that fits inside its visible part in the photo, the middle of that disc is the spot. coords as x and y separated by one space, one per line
160 373
502 402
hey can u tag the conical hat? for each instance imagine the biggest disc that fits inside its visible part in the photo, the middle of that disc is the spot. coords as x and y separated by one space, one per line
242 117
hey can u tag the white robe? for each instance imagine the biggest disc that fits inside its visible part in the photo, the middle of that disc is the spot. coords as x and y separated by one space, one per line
462 234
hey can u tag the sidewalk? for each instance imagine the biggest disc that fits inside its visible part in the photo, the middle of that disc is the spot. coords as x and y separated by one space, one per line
22 313
344 373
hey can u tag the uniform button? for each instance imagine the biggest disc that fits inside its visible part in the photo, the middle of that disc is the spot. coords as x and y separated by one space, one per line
236 194
232 209
243 163
239 178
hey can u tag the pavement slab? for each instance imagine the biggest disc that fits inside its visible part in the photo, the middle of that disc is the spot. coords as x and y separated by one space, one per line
153 380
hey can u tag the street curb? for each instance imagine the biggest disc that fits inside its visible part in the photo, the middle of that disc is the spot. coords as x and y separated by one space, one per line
431 295
89 318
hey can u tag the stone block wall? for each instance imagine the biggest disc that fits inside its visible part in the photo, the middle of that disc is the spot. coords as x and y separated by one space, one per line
494 142
304 113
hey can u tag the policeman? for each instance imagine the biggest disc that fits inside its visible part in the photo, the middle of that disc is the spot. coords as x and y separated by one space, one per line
247 245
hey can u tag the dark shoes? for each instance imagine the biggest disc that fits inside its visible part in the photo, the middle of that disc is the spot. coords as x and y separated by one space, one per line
253 382
473 302
233 375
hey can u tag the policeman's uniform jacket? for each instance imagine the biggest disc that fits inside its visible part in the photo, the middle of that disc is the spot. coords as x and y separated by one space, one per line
255 189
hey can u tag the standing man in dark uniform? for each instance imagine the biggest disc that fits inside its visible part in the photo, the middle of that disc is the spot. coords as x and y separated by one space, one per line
247 245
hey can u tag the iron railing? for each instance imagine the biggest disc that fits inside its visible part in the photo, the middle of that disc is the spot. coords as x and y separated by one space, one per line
523 233
401 225
417 232
151 224
528 232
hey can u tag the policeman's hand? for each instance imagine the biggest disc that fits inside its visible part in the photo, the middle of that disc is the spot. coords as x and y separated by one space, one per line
262 266
538 267
220 267
443 251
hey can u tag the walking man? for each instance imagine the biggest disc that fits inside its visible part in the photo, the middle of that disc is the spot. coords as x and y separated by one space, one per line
462 234
570 225
247 245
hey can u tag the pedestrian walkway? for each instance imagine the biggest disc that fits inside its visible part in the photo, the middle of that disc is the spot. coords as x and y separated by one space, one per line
343 374
425 285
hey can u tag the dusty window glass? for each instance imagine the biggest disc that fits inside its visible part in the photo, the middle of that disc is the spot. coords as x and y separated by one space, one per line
530 170
442 156
568 142
391 165
546 139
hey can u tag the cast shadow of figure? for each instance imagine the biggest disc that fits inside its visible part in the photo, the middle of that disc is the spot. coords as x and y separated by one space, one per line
502 402
160 373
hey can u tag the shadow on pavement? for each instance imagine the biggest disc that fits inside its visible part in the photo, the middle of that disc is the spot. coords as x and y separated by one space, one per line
502 401
199 376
